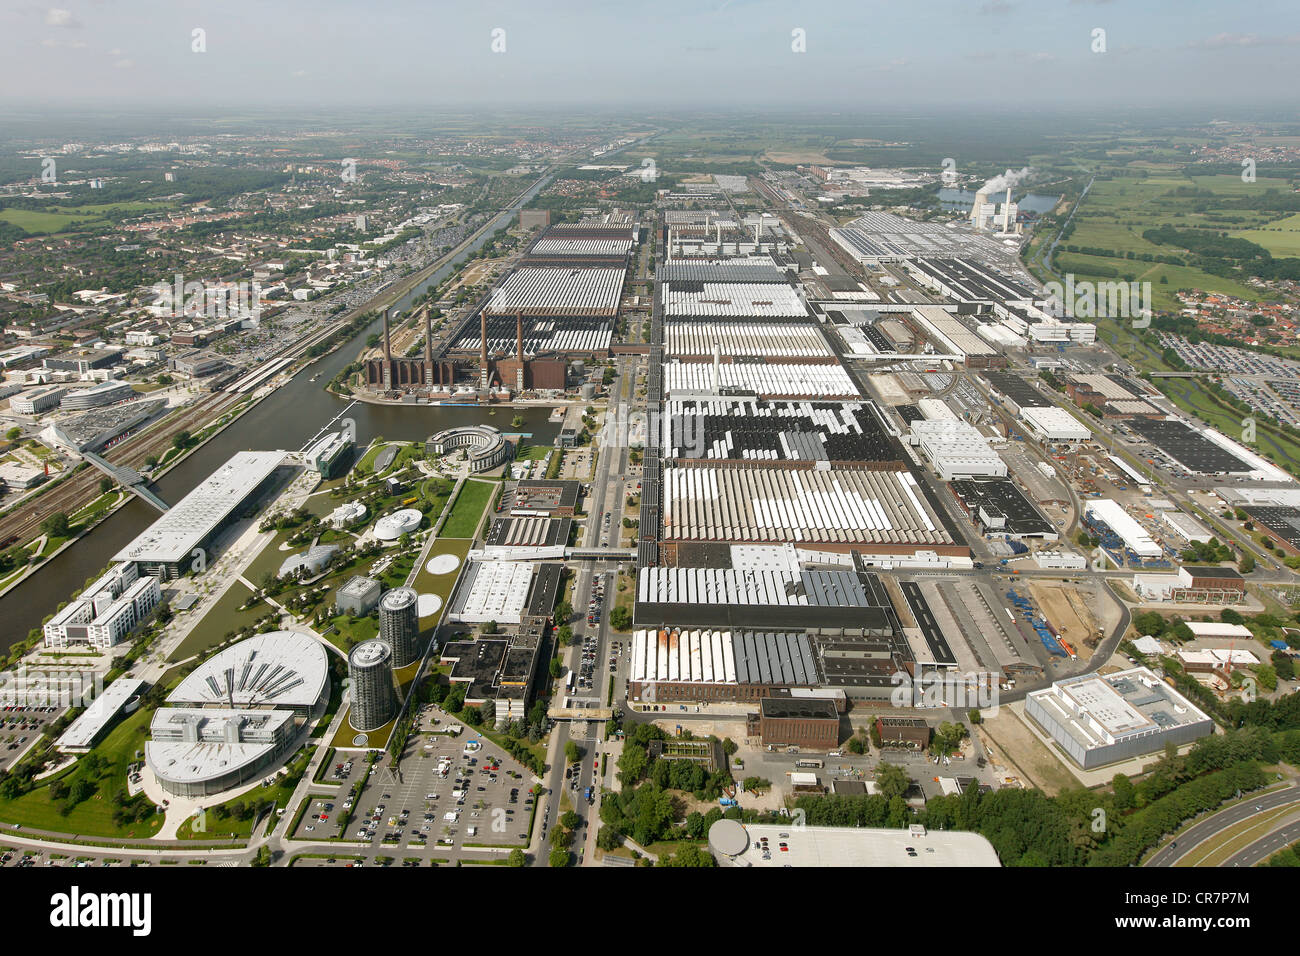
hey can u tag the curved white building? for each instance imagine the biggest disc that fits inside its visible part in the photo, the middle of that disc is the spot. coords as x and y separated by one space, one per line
393 526
239 715
346 514
484 445
280 669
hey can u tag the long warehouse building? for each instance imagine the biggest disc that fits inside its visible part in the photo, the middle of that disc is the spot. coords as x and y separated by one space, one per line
166 548
837 509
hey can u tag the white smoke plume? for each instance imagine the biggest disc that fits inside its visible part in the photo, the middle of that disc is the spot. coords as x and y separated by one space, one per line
1011 177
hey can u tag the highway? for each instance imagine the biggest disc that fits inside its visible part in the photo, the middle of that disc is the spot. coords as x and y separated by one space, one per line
1189 839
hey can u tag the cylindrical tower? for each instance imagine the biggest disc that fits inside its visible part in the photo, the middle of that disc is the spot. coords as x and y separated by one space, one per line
399 625
374 697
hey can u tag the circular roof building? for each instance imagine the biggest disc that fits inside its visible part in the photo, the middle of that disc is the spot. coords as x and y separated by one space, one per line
393 526
239 715
348 513
281 669
485 446
374 696
728 839
399 624
313 561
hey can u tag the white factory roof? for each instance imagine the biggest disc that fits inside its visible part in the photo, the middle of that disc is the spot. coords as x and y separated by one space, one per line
82 732
950 334
1054 424
1219 629
582 247
765 379
739 299
1186 525
858 847
712 586
1102 710
721 657
558 290
826 505
784 340
278 668
496 591
173 536
1123 524
1216 656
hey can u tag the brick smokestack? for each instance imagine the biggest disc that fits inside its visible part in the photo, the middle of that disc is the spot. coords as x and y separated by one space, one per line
388 343
428 342
519 335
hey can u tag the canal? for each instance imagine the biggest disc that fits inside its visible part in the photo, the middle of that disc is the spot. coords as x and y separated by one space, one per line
285 419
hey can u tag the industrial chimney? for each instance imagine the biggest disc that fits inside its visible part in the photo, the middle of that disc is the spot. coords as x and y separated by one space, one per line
428 344
1006 212
388 344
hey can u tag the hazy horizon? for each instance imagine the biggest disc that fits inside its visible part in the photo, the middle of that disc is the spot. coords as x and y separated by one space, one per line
713 54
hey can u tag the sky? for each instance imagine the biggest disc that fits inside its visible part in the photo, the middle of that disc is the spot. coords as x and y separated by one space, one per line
669 54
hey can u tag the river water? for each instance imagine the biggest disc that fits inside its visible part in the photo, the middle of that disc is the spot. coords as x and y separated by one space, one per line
285 419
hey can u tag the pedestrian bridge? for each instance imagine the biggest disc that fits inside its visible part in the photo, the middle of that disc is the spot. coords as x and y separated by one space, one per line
599 554
128 478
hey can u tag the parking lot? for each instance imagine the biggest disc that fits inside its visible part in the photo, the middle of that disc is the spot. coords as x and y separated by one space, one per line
456 790
20 727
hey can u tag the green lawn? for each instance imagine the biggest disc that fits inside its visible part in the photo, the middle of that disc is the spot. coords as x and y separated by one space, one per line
465 513
92 817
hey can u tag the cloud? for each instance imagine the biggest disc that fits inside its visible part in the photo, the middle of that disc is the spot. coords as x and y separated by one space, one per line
55 17
123 64
995 7
1226 41
65 44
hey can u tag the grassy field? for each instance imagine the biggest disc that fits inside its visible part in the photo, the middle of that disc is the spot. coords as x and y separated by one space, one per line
465 513
1281 237
93 817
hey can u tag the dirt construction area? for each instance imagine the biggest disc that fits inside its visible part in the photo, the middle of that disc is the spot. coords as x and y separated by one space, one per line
1068 610
1023 755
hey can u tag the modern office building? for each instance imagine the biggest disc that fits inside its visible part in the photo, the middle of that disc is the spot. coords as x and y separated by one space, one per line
106 612
329 454
359 596
1098 720
485 447
238 716
374 695
399 625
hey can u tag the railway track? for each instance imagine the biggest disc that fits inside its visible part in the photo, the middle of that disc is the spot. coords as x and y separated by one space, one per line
77 491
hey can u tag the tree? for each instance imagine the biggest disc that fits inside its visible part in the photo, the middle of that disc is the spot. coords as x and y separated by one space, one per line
56 525
608 839
572 752
1247 563
570 820
490 627
559 857
892 780
14 433
689 855
565 635
620 619
556 667
857 745
151 462
516 858
105 485
181 440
